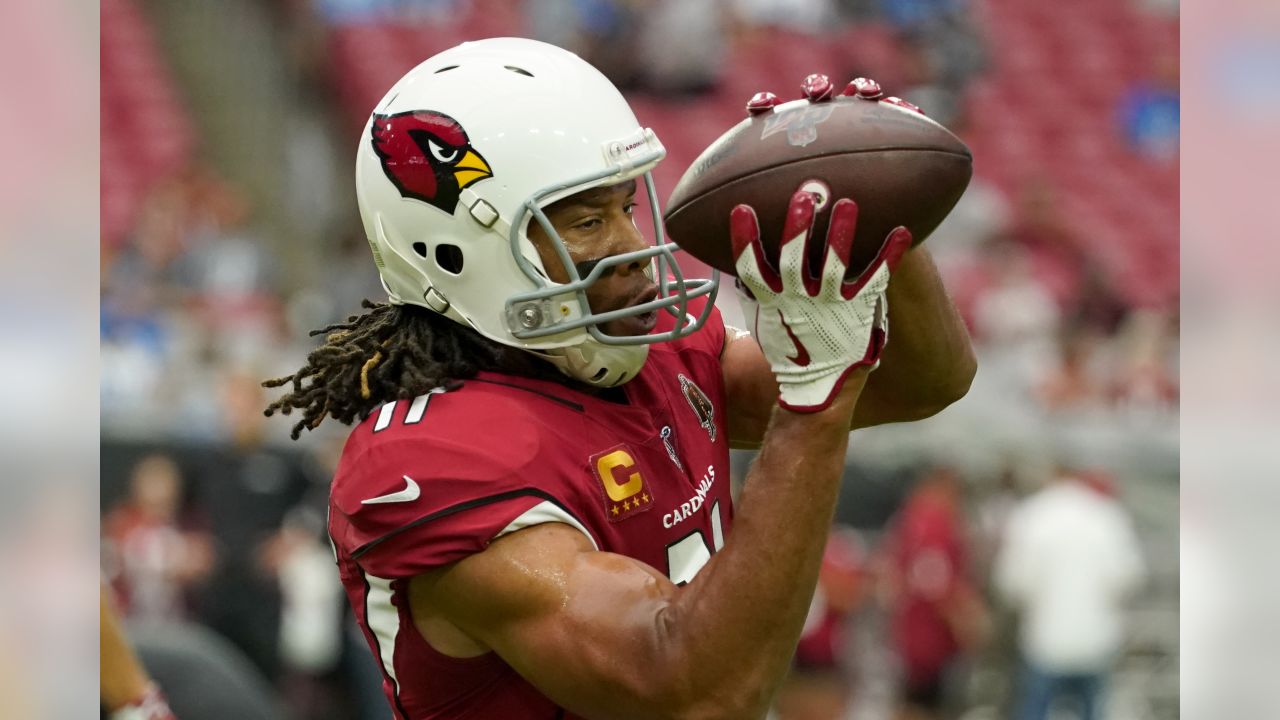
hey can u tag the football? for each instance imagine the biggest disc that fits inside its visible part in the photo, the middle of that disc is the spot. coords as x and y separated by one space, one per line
899 166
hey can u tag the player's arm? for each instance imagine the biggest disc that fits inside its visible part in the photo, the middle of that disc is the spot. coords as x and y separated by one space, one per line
126 689
929 365
606 636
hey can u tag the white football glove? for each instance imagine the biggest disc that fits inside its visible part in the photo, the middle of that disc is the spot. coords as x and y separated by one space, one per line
814 330
151 706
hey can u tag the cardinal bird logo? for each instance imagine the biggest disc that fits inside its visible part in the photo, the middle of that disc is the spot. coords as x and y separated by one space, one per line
427 156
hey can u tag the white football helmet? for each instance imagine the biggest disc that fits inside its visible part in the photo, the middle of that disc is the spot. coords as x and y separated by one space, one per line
463 153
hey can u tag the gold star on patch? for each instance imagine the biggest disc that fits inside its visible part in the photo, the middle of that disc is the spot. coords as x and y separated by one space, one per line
645 497
615 509
626 504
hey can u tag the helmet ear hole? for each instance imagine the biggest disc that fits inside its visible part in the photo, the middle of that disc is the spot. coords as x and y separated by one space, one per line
449 258
420 248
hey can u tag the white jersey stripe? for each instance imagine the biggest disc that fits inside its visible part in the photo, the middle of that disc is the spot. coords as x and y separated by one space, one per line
384 622
545 512
717 532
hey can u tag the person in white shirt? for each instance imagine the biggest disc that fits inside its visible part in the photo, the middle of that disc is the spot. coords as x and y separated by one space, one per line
1069 561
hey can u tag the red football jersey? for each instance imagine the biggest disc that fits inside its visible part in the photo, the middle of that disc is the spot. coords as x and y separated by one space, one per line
431 480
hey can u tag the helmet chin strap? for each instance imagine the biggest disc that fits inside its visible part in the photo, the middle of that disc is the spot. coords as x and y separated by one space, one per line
597 364
590 361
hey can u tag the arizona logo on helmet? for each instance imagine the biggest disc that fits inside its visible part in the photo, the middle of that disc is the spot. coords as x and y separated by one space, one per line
427 156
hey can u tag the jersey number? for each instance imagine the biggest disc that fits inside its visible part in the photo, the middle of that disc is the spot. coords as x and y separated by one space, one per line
686 556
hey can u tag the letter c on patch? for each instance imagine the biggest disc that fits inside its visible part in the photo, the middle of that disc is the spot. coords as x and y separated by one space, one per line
609 465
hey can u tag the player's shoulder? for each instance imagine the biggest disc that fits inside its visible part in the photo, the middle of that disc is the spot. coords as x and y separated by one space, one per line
428 480
467 413
480 431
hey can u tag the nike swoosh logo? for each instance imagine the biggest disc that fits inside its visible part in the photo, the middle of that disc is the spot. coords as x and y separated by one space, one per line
408 494
802 353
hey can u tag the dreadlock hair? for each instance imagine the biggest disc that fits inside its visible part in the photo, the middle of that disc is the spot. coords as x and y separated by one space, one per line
391 352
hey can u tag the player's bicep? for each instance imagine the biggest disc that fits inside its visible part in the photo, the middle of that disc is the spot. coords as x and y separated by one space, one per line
584 627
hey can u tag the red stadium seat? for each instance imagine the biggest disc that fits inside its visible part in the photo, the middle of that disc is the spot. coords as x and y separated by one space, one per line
1049 109
1046 108
146 135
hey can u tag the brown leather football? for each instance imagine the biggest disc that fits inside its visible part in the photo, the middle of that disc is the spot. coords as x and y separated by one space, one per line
899 166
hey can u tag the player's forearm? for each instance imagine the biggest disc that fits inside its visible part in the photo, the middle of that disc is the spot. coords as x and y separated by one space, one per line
929 362
736 627
122 678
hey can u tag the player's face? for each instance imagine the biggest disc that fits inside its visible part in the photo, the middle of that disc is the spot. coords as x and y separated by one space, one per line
594 225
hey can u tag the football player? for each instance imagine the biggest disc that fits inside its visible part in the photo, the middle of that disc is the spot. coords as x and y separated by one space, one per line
532 516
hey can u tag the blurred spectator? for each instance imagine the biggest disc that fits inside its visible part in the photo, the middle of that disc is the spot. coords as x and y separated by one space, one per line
938 616
139 287
159 238
1146 379
228 274
1074 382
917 14
1016 319
312 611
1069 561
672 47
341 12
980 218
943 31
811 16
600 31
252 489
1096 305
344 285
993 508
1150 112
923 82
155 558
194 288
1051 240
682 45
819 685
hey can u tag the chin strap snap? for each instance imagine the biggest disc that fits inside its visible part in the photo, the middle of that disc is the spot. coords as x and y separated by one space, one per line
436 301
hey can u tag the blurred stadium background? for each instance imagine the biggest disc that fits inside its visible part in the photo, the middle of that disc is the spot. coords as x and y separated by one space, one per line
229 230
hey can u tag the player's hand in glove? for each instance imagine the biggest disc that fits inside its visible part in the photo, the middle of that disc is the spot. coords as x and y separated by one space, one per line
151 706
814 327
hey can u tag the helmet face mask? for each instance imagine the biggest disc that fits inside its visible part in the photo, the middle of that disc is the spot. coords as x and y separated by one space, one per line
448 187
557 307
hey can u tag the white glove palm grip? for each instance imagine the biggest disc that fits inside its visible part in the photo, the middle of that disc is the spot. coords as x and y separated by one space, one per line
814 326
